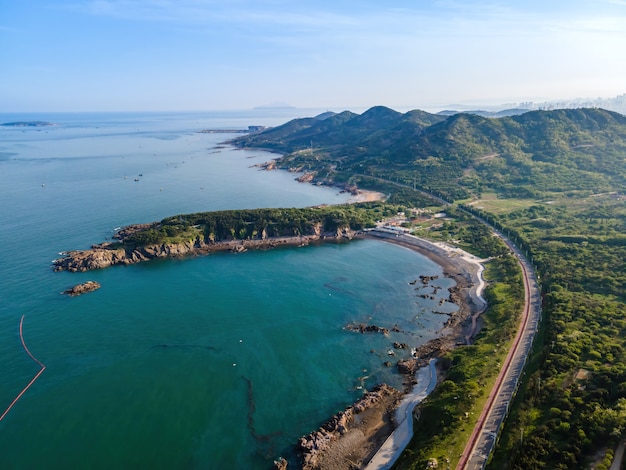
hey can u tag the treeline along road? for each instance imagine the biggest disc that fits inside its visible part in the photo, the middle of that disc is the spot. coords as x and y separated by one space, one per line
485 434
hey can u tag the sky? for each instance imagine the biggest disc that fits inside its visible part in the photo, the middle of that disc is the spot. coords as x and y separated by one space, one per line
160 55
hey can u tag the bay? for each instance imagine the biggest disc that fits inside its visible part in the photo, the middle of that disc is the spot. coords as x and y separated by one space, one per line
221 361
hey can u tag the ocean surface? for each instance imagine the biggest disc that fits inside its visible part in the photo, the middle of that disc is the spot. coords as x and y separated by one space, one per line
210 362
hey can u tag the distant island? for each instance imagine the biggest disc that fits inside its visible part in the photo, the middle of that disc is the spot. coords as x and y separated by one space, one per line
275 105
27 124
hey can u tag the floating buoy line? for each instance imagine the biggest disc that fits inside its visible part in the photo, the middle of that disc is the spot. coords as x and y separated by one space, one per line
33 379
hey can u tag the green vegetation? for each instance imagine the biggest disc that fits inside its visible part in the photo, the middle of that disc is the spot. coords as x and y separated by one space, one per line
257 224
574 402
448 414
554 181
527 156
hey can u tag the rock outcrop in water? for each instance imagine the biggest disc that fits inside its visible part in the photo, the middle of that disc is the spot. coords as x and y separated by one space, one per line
83 288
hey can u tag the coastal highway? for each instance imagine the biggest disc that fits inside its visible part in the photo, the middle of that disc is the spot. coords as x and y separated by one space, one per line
426 376
483 438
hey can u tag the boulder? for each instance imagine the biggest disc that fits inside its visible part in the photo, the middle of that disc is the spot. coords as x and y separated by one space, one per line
280 464
83 288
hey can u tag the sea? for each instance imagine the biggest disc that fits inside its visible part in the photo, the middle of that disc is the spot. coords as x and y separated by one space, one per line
215 362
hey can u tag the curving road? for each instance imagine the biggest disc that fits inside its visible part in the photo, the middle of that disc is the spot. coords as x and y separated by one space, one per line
426 376
485 433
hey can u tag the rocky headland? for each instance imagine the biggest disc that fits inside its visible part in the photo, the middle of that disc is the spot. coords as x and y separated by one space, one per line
104 255
352 436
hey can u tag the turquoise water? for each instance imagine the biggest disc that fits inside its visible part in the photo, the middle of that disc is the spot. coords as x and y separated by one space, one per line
211 362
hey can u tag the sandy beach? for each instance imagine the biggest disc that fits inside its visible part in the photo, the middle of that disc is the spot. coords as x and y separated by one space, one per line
466 271
363 195
364 435
363 429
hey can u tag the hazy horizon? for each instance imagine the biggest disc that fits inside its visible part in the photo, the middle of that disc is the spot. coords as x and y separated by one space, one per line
311 111
197 55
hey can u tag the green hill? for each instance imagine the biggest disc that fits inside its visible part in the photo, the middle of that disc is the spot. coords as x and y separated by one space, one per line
531 154
556 182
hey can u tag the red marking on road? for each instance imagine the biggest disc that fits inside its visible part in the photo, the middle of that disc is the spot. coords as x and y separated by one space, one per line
495 391
34 378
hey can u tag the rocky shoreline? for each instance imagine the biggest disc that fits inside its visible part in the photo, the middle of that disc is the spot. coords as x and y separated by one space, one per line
315 448
352 436
104 255
346 444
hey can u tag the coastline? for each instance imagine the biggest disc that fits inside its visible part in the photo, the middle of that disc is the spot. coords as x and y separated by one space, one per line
378 436
352 437
107 254
395 444
466 271
365 195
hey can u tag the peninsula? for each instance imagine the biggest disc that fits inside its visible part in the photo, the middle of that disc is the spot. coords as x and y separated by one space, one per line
208 232
369 421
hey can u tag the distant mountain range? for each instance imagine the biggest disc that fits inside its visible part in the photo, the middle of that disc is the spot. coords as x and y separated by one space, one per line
481 112
533 153
616 103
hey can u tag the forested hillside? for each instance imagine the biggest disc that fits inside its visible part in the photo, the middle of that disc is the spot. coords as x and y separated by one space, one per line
249 224
459 156
555 181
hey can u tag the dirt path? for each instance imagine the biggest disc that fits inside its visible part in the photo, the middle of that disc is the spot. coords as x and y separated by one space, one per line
402 434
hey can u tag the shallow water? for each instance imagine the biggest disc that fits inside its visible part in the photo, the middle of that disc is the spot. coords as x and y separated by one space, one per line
221 361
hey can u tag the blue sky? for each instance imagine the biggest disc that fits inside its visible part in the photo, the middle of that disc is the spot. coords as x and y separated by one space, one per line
116 55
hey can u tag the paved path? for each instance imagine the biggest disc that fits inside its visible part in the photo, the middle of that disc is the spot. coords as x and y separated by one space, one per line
483 438
619 455
402 434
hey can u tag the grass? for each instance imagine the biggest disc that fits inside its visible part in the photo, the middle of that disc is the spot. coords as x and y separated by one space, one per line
490 203
449 414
